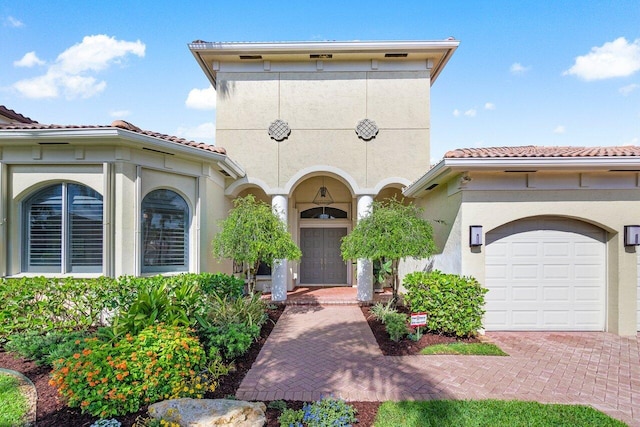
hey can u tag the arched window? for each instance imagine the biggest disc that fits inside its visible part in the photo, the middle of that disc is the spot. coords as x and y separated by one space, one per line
165 232
323 213
63 230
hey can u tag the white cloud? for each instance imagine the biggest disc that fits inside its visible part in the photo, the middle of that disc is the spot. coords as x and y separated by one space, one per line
202 99
489 106
518 68
119 114
38 87
626 90
28 60
618 58
469 113
10 21
205 132
71 73
559 129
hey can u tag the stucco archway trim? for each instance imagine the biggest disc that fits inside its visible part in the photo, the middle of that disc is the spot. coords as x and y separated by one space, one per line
320 170
391 182
554 215
236 187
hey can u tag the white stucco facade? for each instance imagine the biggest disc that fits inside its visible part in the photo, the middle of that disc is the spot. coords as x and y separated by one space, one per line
320 130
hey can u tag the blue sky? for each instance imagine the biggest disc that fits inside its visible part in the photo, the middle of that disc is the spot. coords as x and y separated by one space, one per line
526 72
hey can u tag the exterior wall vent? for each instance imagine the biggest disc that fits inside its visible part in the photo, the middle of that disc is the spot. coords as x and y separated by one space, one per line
395 55
250 56
321 56
157 151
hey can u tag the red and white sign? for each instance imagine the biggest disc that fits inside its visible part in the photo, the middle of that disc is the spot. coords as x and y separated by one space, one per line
418 319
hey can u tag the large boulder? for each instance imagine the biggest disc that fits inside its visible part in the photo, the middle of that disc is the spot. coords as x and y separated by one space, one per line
210 412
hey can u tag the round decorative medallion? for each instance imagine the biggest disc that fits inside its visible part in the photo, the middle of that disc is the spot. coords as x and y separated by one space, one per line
366 129
279 130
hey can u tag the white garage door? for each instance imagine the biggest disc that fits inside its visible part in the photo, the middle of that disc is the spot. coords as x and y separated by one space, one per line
546 274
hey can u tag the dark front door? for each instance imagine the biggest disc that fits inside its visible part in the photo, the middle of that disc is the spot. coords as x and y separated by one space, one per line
321 262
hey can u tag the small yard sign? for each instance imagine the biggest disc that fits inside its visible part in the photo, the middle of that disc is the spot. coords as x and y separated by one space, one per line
418 319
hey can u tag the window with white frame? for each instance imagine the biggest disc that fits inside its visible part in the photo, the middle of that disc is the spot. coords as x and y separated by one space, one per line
63 230
165 232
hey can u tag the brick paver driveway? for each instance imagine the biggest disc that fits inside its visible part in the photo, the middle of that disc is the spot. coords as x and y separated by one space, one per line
319 350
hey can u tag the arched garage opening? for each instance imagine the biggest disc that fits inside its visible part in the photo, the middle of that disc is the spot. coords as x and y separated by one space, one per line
546 273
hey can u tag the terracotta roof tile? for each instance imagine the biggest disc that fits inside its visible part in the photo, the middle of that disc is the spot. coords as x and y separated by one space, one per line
538 151
119 124
11 114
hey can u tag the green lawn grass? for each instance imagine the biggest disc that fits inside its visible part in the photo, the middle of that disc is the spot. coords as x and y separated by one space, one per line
478 349
12 402
476 413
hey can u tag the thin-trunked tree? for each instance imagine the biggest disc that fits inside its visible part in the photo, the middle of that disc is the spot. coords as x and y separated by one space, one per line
392 231
253 233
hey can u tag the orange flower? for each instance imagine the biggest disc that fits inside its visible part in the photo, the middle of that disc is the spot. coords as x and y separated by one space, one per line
86 352
76 356
119 377
84 403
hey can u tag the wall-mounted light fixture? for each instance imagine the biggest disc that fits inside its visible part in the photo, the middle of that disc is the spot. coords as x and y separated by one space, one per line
475 235
632 235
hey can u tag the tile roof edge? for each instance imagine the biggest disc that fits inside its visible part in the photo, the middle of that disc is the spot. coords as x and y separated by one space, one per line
119 125
11 114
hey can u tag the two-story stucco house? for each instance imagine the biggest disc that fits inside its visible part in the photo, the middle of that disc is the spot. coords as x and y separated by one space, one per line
319 130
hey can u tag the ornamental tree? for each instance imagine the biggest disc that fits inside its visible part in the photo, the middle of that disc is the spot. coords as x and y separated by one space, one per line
391 232
253 233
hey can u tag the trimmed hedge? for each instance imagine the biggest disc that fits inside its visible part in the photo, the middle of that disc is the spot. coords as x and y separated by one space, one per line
454 304
49 304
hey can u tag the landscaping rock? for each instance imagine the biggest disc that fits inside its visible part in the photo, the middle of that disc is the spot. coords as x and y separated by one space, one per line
210 412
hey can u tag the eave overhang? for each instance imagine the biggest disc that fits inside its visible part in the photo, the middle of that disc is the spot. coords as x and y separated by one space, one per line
446 168
437 51
106 136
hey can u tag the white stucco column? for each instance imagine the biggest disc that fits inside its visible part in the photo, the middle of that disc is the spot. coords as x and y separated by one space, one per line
364 267
280 270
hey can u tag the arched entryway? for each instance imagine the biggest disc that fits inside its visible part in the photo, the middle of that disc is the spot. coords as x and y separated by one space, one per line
323 207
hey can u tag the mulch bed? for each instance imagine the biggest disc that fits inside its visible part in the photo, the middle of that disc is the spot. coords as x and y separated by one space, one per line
52 412
405 346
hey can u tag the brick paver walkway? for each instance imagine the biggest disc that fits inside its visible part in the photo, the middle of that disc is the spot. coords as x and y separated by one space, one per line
318 350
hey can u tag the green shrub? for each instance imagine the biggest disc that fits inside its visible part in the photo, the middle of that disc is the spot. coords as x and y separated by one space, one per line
380 311
153 305
454 304
46 304
291 418
44 349
232 324
278 405
109 379
396 325
226 310
328 412
221 284
232 340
